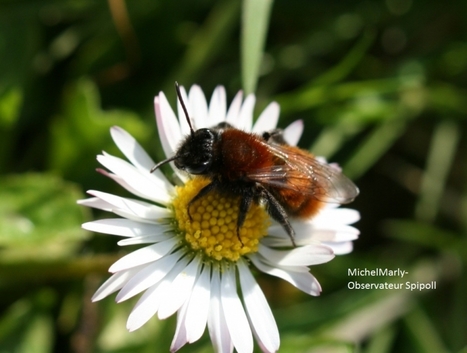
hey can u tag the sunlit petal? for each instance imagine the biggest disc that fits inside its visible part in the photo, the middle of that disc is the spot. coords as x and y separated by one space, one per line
258 311
268 119
234 313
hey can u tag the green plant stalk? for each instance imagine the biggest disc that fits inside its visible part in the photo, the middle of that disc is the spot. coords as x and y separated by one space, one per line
255 21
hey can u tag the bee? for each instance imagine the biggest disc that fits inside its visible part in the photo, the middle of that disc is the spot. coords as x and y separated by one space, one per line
289 181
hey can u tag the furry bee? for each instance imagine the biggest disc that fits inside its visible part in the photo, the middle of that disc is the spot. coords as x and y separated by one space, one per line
290 181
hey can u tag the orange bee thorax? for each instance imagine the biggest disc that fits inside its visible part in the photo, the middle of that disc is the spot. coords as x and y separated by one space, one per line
241 153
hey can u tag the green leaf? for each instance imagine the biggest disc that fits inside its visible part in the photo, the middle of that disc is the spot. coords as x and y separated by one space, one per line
10 105
441 156
206 44
312 96
382 341
26 325
82 130
39 217
424 234
424 333
348 63
255 21
377 143
310 344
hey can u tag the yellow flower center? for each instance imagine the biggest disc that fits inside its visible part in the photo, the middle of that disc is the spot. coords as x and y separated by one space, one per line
212 228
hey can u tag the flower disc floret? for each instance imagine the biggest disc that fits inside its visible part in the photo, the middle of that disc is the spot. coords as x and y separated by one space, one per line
210 225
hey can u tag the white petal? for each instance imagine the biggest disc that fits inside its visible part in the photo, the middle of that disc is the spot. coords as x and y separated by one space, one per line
301 256
167 124
198 306
245 117
343 233
131 148
293 132
217 106
146 307
95 202
340 248
150 301
133 217
169 130
144 255
180 289
234 110
148 276
192 316
123 227
145 239
145 184
180 339
267 121
235 317
258 311
300 277
199 107
218 330
140 209
164 198
114 283
337 216
138 156
324 232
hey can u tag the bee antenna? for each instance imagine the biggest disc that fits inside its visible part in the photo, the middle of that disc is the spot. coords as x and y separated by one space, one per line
162 163
179 95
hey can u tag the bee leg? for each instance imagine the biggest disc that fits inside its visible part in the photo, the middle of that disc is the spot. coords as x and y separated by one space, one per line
208 188
243 209
277 212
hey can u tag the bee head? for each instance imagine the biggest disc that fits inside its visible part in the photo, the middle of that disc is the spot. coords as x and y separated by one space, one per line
195 155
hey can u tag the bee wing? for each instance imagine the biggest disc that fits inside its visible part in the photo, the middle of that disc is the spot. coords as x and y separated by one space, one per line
302 172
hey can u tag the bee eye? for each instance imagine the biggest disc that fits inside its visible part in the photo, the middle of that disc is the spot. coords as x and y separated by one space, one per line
198 168
193 165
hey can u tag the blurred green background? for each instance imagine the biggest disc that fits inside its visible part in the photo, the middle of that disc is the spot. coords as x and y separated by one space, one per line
380 85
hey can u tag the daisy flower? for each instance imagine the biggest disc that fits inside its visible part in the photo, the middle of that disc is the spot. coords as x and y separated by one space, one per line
189 266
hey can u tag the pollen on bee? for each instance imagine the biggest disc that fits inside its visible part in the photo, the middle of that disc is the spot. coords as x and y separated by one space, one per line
211 224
